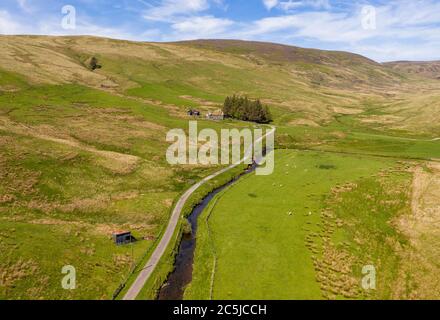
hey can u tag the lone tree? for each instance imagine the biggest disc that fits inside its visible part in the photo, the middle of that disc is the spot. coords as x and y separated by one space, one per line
243 108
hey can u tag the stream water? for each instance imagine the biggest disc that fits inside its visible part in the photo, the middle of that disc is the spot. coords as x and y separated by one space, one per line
181 276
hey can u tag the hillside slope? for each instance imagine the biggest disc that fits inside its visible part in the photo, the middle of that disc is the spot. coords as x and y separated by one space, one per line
427 69
82 149
304 85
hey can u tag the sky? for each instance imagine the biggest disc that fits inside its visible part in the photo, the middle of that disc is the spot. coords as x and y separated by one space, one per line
383 30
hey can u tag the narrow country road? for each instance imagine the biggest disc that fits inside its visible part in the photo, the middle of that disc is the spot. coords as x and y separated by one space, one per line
151 264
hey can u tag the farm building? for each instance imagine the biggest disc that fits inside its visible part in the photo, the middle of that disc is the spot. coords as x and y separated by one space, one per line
217 116
193 113
122 237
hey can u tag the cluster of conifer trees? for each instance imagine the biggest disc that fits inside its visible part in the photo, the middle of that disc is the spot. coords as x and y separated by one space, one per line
243 108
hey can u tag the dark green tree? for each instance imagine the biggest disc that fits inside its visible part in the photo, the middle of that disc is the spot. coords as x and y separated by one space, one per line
243 108
228 107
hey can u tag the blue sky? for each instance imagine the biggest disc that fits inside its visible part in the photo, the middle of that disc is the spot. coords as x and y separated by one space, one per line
379 29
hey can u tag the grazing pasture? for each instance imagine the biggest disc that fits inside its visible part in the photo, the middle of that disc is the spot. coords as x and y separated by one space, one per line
82 154
304 232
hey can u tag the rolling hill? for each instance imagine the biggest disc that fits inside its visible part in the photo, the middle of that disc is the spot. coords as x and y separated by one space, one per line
428 69
82 149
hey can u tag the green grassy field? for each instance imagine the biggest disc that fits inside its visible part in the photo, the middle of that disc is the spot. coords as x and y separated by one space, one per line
76 165
82 154
267 235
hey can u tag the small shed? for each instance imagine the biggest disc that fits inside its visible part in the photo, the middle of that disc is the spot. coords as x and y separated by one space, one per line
192 112
122 237
217 116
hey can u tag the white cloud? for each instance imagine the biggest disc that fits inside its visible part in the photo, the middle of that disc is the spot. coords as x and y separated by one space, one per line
201 27
406 29
168 10
12 25
269 4
294 4
9 25
23 4
317 4
399 24
186 19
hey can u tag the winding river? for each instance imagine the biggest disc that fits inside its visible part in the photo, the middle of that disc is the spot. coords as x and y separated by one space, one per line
174 287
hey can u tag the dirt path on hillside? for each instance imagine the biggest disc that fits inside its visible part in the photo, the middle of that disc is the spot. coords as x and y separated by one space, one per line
159 251
125 162
173 109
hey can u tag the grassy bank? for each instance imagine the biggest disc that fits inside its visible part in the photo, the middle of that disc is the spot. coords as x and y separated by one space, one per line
166 264
267 234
